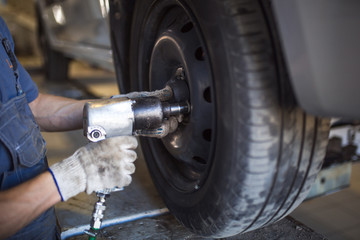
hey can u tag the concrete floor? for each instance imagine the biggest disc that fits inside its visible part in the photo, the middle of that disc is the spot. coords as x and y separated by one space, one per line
137 212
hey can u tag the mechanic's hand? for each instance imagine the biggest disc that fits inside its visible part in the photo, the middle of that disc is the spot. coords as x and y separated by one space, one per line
96 166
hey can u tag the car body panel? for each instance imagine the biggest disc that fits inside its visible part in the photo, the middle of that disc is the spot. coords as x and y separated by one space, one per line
320 42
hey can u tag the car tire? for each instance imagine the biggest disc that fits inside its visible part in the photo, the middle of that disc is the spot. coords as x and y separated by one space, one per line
247 154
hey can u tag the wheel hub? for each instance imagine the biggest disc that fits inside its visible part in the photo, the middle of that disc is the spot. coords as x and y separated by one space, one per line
179 50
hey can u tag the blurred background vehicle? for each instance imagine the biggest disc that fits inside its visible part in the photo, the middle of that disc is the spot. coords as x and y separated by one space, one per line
73 30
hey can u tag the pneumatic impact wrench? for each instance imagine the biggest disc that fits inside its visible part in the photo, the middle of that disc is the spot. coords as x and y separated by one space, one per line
150 114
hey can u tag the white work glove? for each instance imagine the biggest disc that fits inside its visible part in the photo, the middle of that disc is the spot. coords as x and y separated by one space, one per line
96 166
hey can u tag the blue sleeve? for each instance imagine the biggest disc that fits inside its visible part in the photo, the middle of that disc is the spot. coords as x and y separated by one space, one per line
27 84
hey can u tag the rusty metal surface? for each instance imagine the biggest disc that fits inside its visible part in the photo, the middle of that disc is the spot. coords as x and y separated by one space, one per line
331 179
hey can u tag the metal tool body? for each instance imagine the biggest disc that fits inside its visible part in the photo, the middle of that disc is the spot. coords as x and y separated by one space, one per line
149 114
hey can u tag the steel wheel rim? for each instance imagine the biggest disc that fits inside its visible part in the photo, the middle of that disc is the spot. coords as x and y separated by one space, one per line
183 158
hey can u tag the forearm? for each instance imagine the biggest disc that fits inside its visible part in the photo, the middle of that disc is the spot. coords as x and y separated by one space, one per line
23 203
53 113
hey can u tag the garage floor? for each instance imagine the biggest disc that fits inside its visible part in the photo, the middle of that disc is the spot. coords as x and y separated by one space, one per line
335 216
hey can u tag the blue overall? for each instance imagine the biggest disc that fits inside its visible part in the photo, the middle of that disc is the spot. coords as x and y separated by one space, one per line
22 148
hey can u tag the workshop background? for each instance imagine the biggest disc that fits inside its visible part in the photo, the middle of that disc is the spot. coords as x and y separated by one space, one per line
138 212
